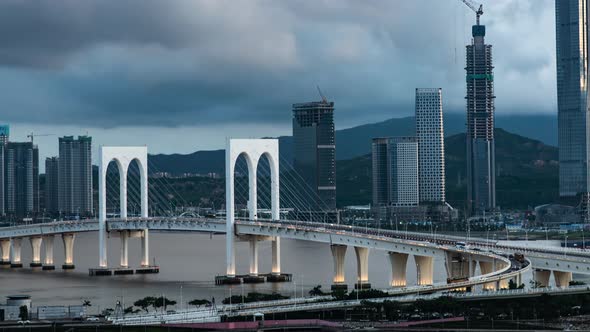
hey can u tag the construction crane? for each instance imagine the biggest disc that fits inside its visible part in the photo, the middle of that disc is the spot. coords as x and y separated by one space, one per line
33 135
473 6
322 95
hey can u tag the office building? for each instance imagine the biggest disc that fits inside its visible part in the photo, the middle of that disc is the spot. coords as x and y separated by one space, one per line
481 177
75 176
51 185
571 18
431 145
395 171
315 153
22 179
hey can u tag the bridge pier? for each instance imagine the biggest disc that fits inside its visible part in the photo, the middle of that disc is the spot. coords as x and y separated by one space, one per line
145 248
15 261
362 268
562 279
36 251
424 269
124 235
338 254
48 242
486 268
276 256
542 277
253 257
5 247
399 263
68 241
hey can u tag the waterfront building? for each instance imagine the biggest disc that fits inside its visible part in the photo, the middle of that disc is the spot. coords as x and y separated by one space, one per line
51 185
75 176
481 177
395 171
4 136
431 145
571 22
22 179
315 152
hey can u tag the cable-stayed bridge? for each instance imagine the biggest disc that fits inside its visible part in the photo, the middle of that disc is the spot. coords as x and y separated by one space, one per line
129 208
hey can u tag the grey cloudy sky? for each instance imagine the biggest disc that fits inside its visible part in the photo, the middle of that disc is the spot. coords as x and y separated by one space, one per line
183 75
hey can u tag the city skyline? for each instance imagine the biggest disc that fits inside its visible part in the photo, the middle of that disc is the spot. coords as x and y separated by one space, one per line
77 71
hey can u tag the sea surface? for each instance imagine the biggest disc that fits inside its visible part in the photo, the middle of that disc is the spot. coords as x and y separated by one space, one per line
188 264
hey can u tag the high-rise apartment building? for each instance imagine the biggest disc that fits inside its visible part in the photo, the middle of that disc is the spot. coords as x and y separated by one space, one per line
75 175
51 185
395 171
481 177
431 145
22 179
315 152
571 18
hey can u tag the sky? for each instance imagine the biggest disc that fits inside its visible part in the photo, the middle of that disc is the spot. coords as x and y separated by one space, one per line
181 76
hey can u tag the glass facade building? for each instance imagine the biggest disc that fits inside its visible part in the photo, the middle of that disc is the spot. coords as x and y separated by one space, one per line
51 185
395 171
315 152
571 18
75 176
481 169
22 179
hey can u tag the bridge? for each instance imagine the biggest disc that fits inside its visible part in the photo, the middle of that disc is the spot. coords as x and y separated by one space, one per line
496 265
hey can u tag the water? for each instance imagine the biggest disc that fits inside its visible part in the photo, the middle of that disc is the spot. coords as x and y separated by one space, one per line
186 260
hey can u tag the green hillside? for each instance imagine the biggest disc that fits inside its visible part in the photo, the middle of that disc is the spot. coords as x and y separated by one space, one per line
527 173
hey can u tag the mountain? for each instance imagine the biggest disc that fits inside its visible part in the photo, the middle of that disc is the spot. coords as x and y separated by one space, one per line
527 173
356 141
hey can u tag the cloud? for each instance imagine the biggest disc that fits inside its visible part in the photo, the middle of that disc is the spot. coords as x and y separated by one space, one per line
217 62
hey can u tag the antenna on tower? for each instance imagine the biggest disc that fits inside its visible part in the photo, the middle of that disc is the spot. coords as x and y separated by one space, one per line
322 95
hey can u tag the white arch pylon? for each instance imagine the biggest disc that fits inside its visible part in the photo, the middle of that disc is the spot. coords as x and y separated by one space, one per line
122 156
252 150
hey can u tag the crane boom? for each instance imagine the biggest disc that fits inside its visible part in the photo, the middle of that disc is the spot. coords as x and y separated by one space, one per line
473 6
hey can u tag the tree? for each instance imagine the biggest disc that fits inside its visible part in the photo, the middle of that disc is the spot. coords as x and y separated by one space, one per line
145 303
317 291
535 284
130 310
162 302
200 302
23 313
339 294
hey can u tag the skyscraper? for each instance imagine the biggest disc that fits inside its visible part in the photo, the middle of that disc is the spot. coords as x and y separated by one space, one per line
315 152
75 175
571 18
431 145
395 171
22 179
51 185
481 177
4 136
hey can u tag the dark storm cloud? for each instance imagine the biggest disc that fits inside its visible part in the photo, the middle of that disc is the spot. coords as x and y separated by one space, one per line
169 63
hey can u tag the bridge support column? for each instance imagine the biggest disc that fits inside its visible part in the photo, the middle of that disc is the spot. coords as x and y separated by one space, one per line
5 247
68 240
362 268
145 248
253 257
541 277
338 254
276 256
15 252
562 279
48 263
424 269
124 235
36 251
399 263
486 268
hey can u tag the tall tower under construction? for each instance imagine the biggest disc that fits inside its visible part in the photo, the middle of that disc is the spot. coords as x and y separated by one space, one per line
481 175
